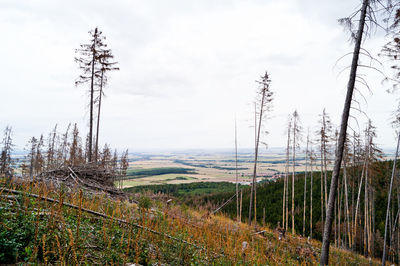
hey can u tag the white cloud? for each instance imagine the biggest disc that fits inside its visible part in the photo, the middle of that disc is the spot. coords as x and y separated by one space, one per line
187 67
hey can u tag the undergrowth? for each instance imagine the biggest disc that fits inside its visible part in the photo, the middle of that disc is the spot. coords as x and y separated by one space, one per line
36 230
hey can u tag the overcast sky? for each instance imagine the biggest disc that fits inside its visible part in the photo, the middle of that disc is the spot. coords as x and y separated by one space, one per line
187 68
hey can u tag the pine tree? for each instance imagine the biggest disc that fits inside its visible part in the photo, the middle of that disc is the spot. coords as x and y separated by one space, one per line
266 97
88 61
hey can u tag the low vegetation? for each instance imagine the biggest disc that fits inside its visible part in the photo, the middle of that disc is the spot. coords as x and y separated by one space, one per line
42 224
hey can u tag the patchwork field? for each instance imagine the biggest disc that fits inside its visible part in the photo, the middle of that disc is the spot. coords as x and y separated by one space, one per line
178 168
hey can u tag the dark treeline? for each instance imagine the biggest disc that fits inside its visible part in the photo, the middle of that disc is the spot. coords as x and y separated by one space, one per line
184 190
136 173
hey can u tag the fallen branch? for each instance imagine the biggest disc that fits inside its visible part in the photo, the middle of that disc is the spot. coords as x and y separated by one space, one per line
223 205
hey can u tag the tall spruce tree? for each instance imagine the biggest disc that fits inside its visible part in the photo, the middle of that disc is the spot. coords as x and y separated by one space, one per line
89 62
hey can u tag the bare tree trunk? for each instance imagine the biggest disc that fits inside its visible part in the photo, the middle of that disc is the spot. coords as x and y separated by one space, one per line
255 178
236 173
346 202
389 199
342 137
96 151
358 204
283 201
285 196
91 98
305 190
241 201
311 196
322 185
325 161
372 226
339 216
353 189
256 157
294 169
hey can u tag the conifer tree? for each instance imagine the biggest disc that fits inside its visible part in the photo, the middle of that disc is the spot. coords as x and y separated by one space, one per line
367 19
265 107
88 60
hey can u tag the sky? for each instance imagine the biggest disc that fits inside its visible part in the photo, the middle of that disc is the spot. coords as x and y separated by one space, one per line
187 69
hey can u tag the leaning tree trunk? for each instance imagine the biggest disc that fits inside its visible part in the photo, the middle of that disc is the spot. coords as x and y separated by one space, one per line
256 156
342 137
389 199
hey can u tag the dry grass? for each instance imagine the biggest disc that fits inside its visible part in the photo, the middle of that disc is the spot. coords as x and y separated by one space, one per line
70 236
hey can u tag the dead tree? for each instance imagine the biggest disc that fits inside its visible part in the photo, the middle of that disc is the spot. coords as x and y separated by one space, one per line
106 65
342 135
392 51
296 131
75 151
51 150
32 155
265 107
39 156
324 133
5 157
286 184
237 176
305 186
312 159
62 153
88 62
389 199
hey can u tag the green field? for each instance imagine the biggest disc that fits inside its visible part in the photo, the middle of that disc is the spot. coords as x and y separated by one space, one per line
157 179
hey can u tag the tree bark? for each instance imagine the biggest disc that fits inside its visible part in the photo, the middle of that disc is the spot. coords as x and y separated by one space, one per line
294 165
285 186
346 196
342 137
96 152
256 155
311 196
305 190
389 199
91 97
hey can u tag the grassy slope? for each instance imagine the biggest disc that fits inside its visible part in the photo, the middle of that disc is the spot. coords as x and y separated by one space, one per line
33 230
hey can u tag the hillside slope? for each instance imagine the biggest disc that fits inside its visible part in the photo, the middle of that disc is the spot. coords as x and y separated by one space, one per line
44 224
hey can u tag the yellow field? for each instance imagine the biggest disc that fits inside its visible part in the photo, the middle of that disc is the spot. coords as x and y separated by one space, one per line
208 168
